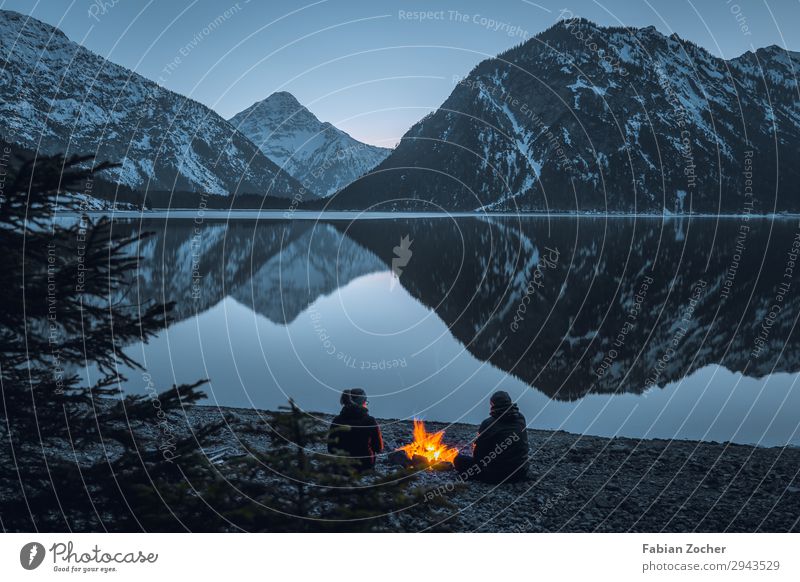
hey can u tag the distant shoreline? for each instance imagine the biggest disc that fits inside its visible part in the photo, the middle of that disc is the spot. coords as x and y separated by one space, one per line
243 214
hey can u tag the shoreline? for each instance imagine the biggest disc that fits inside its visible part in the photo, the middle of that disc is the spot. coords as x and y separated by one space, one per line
253 214
588 483
460 427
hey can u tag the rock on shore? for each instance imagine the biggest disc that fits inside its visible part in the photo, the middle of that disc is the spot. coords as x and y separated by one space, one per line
586 484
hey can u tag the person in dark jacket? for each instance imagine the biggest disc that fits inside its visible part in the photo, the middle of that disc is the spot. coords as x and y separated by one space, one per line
354 433
500 451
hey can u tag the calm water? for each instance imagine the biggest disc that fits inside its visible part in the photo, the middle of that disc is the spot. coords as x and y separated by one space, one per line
634 327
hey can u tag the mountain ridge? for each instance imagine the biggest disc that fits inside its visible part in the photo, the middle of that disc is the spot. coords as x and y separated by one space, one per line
639 122
322 157
74 101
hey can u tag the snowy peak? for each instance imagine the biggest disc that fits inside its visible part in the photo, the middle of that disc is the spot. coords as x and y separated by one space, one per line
279 108
56 96
20 24
283 98
321 157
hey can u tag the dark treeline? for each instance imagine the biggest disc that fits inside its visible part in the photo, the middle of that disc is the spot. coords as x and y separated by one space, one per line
102 188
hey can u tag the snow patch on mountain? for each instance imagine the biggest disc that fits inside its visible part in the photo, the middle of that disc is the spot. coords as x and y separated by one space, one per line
618 125
320 156
58 97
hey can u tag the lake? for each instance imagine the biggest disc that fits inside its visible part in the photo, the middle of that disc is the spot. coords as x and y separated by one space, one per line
633 326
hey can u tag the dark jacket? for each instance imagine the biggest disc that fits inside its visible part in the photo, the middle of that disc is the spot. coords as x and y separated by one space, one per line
356 434
501 448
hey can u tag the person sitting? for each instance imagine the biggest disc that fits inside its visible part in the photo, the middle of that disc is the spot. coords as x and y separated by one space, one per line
354 433
500 451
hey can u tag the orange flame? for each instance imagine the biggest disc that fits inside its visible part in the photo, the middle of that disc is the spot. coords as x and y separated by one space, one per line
429 445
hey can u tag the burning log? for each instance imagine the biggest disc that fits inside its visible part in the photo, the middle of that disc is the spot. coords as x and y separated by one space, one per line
399 458
426 451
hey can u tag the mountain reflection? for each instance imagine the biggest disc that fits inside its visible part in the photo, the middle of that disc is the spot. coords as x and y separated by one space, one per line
570 306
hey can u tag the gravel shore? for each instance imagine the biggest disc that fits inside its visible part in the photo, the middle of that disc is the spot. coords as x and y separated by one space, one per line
587 484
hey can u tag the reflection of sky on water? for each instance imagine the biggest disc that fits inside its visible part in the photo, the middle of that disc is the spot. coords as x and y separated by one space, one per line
371 334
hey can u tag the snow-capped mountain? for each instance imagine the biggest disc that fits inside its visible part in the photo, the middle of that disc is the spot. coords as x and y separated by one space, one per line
57 96
321 157
589 118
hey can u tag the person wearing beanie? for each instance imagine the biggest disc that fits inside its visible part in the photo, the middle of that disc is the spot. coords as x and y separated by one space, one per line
500 451
354 433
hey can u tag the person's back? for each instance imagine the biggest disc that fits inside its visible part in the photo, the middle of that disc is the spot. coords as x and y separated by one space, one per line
500 452
354 433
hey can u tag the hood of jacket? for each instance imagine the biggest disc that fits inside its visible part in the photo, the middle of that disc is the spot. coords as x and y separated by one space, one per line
350 412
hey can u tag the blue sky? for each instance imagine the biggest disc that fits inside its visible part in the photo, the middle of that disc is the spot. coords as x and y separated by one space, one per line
371 68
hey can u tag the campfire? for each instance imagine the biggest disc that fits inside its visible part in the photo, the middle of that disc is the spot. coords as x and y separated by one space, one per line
427 449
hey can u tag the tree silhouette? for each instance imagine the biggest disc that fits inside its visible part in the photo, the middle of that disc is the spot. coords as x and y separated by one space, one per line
79 455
